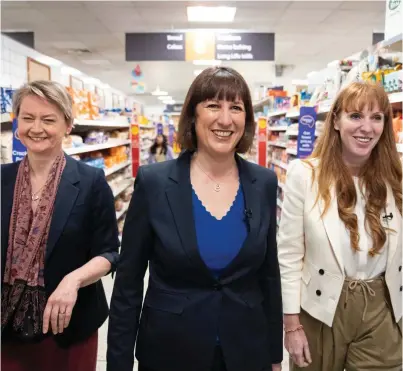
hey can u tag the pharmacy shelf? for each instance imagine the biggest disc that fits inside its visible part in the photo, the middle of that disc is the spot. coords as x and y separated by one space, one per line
116 168
120 213
277 128
96 147
277 144
261 103
147 127
279 203
277 113
101 123
280 164
281 185
293 114
126 184
292 151
396 97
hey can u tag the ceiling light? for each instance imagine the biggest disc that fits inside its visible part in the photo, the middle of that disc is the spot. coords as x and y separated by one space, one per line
165 98
168 101
211 13
157 92
200 62
71 71
48 61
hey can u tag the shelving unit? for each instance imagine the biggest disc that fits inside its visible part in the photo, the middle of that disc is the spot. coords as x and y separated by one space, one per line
96 147
116 168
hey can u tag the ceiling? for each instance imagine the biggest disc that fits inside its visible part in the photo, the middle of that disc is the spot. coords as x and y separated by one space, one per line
309 34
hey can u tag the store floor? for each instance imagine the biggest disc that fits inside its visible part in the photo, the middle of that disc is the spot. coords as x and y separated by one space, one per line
101 365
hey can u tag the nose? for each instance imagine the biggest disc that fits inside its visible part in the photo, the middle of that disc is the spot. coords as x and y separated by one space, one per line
36 125
225 118
366 125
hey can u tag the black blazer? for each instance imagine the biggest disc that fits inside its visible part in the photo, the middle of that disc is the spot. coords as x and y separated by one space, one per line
83 226
186 308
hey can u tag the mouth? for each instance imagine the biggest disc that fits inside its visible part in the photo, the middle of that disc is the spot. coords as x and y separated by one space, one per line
37 139
222 134
363 139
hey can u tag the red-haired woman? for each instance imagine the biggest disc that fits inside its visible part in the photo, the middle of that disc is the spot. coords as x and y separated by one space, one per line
340 241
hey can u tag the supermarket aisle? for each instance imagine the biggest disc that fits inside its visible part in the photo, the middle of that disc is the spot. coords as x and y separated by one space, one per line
101 366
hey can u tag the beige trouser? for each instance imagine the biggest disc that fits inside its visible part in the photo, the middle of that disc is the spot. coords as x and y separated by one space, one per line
364 335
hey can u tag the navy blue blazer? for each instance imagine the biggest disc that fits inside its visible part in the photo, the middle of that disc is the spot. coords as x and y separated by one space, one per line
83 226
185 307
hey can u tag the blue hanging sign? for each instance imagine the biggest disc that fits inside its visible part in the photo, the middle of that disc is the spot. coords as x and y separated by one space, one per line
19 150
160 129
306 131
171 132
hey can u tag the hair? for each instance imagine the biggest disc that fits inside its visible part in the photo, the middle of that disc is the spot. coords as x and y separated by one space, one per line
383 167
222 83
164 145
51 91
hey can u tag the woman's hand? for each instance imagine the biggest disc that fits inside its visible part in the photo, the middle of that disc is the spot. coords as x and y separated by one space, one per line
297 346
276 367
60 305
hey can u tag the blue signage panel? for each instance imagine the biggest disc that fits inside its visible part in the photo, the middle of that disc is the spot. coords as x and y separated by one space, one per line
19 150
160 129
306 131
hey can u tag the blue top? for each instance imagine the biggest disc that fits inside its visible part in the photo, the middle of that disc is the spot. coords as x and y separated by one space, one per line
219 241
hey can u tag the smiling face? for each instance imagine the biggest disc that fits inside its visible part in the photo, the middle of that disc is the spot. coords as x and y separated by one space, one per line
220 125
359 131
41 125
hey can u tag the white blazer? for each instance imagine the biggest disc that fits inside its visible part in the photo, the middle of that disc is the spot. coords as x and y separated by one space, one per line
310 252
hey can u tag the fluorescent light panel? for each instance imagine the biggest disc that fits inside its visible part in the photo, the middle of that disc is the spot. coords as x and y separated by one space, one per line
211 13
164 98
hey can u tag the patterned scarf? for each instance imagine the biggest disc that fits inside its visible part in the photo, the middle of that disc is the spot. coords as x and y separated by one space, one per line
23 296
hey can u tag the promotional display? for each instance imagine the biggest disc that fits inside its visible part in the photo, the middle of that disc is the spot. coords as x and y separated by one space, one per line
181 46
306 131
262 141
19 150
135 140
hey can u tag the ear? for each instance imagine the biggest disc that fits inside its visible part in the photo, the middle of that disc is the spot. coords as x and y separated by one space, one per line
336 122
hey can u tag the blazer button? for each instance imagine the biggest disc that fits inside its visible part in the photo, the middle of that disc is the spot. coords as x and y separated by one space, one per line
400 268
401 288
217 287
318 292
321 272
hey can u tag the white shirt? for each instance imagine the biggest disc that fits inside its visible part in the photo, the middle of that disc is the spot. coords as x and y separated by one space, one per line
358 264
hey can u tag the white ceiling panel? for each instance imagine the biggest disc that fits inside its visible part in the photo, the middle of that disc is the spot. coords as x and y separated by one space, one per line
309 34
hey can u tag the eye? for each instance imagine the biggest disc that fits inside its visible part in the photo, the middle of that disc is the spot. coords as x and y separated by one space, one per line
237 108
355 116
49 121
213 106
27 118
378 118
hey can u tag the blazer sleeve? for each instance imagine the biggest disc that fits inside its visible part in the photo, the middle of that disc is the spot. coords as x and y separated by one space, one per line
271 281
105 235
127 296
291 247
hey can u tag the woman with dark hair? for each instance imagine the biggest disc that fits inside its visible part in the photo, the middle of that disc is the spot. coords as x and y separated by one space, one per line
160 151
205 224
340 241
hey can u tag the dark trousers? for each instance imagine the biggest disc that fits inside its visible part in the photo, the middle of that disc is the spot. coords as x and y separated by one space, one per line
218 362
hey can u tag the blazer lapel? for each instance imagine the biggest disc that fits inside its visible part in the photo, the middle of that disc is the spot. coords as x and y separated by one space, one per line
179 195
393 225
331 222
252 215
65 199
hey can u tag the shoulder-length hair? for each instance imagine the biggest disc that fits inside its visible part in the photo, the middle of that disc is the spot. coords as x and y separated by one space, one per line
222 83
383 167
164 145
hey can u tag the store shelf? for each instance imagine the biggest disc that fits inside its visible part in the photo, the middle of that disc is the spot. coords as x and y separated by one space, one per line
292 133
279 203
277 144
277 113
277 128
292 151
147 127
293 114
116 168
281 185
126 184
280 164
396 97
120 213
261 103
102 123
5 117
96 147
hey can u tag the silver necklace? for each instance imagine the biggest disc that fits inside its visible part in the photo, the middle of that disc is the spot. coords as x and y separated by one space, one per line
217 185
